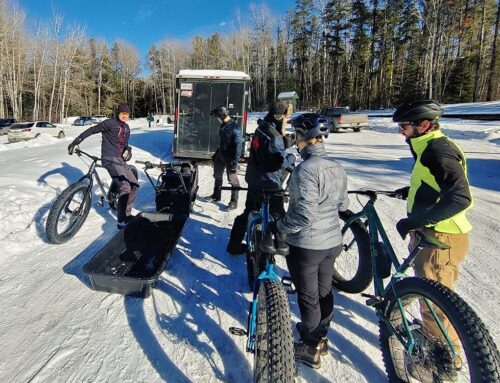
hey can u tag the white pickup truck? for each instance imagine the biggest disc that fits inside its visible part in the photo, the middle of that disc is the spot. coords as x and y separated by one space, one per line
342 118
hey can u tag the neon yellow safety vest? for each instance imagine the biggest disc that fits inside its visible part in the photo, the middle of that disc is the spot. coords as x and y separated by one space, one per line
421 174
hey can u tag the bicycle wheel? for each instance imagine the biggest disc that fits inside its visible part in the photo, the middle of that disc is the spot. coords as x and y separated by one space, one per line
352 270
256 262
68 212
274 355
432 359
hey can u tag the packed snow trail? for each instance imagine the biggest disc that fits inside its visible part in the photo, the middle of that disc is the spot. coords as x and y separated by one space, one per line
54 328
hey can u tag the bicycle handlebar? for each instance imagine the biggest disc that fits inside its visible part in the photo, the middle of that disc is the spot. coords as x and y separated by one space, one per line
79 153
372 194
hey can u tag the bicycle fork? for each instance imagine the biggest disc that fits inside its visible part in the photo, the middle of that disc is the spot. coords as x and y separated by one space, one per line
410 343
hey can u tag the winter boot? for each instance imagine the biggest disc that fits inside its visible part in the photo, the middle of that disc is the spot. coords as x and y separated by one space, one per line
233 203
323 343
309 355
123 223
237 249
213 198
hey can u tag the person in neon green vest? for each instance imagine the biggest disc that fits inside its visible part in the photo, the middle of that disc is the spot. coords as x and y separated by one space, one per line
438 197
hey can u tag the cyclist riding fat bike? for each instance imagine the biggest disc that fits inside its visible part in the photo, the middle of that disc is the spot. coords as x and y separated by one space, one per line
318 191
438 198
115 151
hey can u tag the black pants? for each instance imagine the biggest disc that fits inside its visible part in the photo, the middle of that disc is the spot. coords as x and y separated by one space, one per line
253 203
126 183
311 272
219 166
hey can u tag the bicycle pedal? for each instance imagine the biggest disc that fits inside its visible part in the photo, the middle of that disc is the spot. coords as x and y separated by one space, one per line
237 331
101 201
372 300
288 285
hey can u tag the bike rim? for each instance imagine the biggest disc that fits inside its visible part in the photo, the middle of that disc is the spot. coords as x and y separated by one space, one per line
432 358
71 212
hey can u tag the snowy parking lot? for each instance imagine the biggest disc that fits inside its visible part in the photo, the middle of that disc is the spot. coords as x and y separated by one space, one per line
54 328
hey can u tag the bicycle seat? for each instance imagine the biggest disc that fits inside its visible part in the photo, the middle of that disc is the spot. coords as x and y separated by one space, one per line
430 241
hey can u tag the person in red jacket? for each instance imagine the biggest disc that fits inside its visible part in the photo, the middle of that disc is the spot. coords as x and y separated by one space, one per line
115 151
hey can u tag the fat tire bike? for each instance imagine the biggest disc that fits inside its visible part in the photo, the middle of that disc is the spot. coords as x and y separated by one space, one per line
71 208
269 331
415 347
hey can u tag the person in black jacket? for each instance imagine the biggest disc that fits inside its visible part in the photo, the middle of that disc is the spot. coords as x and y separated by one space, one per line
115 151
226 156
268 158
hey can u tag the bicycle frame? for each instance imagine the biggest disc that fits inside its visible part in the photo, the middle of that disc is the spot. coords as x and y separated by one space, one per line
375 229
263 218
93 173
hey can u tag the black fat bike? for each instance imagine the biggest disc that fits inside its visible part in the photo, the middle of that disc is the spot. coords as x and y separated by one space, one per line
71 208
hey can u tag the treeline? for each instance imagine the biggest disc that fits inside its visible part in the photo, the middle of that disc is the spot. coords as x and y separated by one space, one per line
53 70
357 53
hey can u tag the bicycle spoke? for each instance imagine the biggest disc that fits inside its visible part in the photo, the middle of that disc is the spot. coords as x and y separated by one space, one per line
432 357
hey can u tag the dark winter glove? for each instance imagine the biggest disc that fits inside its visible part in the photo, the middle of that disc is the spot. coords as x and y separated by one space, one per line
127 153
346 214
234 167
401 193
405 225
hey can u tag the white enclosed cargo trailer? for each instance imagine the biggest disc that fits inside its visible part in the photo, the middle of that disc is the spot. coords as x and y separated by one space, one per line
196 133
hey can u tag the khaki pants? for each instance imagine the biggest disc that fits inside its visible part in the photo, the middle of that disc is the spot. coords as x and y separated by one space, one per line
441 266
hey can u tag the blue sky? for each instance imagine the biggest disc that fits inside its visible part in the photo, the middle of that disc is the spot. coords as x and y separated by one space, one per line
143 23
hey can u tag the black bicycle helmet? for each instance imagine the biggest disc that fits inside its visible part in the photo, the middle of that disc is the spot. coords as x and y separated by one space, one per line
220 111
418 111
307 129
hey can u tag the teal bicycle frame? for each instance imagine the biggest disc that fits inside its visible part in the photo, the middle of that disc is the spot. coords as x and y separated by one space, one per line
369 216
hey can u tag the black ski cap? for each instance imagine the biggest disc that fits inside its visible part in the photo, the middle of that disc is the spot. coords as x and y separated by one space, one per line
278 107
220 111
123 108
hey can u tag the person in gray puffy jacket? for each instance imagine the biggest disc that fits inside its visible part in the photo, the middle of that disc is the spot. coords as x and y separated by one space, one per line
318 191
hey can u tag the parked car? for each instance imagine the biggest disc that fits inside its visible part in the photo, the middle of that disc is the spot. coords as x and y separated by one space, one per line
98 118
23 131
314 118
82 121
5 123
342 118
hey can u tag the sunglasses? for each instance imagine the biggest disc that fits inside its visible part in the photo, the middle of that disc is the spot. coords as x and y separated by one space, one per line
403 125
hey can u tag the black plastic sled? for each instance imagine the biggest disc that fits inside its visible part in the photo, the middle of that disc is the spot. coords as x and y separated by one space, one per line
131 262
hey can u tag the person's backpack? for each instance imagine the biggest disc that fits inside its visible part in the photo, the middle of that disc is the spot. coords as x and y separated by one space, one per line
267 157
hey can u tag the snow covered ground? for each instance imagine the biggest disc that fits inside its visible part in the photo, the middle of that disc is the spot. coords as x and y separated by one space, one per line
54 328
